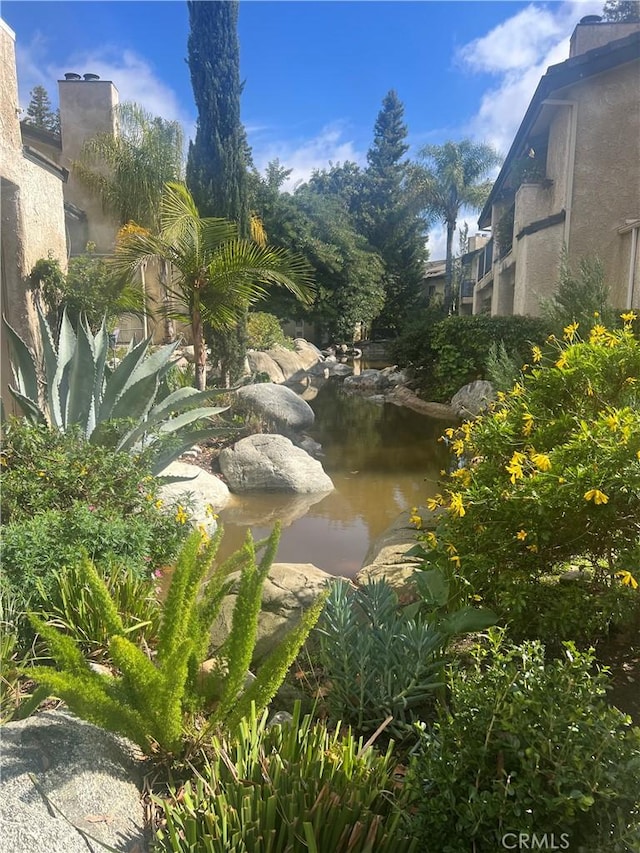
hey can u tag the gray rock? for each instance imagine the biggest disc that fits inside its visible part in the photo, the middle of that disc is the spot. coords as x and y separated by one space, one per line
279 405
331 368
386 557
403 396
289 590
307 353
369 381
394 376
205 491
290 363
313 448
261 362
89 776
473 399
272 463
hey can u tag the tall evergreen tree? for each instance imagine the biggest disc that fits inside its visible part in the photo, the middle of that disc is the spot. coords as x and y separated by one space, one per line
388 217
39 112
217 163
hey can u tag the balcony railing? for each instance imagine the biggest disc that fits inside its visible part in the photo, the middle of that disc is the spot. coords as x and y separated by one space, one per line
485 262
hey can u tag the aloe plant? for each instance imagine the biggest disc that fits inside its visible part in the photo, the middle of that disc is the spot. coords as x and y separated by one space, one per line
75 386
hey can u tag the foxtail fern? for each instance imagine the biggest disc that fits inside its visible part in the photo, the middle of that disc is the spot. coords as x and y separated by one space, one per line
149 698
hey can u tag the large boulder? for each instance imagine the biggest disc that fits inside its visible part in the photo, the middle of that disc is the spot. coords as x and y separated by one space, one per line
64 780
261 362
387 555
403 396
307 353
202 491
369 381
278 405
272 463
290 363
289 590
473 399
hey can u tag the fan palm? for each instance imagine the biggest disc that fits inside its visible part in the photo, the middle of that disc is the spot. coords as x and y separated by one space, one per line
214 274
451 178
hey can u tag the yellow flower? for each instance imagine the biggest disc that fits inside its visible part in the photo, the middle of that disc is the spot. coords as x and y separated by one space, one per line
455 560
432 539
455 505
434 502
181 515
521 535
532 548
41 474
597 334
613 421
589 388
414 518
527 427
570 331
451 548
596 314
627 579
159 503
449 432
629 317
541 461
596 496
517 390
537 353
210 511
458 447
515 466
561 363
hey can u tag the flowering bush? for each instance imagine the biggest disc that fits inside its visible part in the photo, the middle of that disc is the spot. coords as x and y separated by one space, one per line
550 476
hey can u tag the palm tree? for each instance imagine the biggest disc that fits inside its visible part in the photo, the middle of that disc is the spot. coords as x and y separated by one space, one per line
451 178
214 273
128 170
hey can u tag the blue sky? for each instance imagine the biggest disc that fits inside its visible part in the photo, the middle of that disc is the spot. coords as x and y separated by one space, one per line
316 72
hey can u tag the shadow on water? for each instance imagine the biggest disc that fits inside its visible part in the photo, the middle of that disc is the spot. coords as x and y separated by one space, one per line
382 459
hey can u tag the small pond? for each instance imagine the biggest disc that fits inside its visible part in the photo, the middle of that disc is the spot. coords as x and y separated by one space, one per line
382 459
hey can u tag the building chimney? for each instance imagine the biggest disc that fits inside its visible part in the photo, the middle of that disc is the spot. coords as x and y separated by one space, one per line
592 32
91 76
72 76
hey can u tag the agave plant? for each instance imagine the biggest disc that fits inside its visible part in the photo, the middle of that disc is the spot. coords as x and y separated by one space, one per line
75 387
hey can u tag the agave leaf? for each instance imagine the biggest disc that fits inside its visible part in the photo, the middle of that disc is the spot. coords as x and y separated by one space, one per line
66 347
31 409
166 455
24 366
136 399
100 350
120 379
189 417
156 363
50 368
79 408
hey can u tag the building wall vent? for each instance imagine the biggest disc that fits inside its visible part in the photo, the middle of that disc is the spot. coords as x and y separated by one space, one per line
72 76
91 76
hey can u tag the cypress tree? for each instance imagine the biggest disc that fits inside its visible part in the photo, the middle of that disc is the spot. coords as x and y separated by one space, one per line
389 219
217 167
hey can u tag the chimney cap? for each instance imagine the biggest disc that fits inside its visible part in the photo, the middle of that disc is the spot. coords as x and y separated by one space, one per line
591 19
91 76
71 75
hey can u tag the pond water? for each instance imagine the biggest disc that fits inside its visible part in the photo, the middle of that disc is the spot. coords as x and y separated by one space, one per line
382 459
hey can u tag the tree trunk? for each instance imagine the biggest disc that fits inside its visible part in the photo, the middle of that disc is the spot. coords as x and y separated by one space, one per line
169 325
199 349
448 275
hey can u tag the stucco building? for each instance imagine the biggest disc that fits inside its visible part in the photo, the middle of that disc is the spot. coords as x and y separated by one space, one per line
571 178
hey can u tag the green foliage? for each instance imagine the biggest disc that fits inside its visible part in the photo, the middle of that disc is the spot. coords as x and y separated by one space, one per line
70 605
381 662
621 11
11 657
581 297
39 112
264 332
298 787
550 479
34 549
503 370
48 278
148 700
83 391
449 353
530 746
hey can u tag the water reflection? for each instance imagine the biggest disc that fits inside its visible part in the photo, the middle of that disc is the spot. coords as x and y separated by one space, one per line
381 458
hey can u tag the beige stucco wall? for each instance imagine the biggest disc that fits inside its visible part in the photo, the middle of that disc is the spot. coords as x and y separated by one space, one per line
86 109
589 36
32 224
606 186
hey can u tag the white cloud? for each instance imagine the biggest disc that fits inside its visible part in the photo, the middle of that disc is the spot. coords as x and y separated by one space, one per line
132 75
302 155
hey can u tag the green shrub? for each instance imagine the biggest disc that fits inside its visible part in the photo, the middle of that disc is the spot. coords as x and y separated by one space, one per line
294 788
44 469
264 332
380 661
581 297
527 746
153 700
550 479
452 352
33 550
